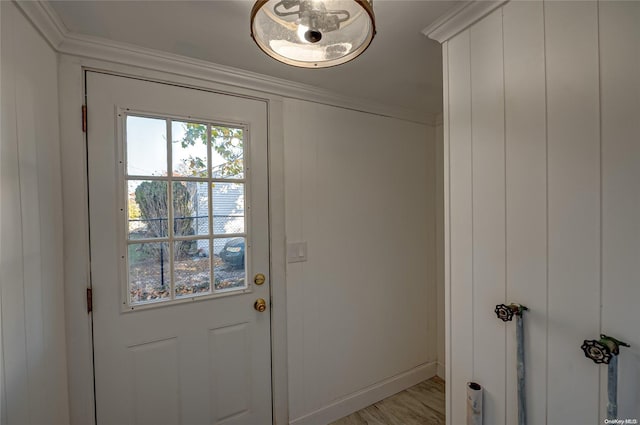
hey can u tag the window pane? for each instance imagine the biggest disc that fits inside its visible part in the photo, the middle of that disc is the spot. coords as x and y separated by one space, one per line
189 149
148 272
227 151
228 208
147 209
146 146
190 208
192 267
229 264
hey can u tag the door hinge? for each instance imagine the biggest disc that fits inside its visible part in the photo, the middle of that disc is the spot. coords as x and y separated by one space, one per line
84 118
89 300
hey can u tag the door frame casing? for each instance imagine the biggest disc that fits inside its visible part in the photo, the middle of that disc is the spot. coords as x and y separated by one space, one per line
77 272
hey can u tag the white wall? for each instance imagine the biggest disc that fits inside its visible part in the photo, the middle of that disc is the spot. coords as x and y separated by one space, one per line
542 130
361 311
33 338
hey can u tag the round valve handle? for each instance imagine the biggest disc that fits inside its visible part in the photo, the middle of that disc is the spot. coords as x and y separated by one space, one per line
602 350
506 312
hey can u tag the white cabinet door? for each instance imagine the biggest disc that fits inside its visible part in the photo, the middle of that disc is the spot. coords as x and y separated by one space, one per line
179 229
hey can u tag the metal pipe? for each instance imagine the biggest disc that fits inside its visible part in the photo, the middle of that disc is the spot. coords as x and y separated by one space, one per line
474 403
506 313
522 400
606 350
612 382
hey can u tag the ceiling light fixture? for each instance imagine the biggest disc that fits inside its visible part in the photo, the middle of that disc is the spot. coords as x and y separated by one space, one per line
313 33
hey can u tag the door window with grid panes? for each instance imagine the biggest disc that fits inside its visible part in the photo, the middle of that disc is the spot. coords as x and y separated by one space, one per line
185 209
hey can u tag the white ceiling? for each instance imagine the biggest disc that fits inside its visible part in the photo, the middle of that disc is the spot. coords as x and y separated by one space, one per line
401 67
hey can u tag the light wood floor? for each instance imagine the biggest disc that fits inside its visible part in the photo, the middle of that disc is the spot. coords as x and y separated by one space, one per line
422 404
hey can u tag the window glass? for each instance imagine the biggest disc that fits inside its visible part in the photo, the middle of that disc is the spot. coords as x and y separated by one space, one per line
192 267
146 146
189 149
227 155
148 272
229 263
190 208
228 208
185 229
147 210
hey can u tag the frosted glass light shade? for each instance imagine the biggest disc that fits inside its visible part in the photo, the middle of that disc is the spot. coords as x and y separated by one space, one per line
313 33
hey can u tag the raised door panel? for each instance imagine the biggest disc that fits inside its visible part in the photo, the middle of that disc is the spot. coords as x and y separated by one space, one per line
154 383
229 369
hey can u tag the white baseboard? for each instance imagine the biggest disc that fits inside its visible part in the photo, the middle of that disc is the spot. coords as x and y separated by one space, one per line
367 396
440 370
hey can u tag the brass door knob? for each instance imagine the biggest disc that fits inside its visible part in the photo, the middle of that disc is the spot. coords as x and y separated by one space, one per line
260 305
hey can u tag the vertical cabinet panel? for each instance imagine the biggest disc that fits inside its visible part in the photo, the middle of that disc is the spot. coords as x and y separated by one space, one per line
14 339
488 173
461 218
526 194
31 240
620 69
446 234
33 358
574 207
542 195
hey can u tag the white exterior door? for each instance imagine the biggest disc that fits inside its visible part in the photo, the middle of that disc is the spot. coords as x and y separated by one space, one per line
179 228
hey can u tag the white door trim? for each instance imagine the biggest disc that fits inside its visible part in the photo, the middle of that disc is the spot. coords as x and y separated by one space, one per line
76 228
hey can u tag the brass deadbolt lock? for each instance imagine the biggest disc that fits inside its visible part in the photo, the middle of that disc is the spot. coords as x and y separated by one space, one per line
260 305
259 279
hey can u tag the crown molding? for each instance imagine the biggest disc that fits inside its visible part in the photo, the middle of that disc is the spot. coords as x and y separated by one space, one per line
46 20
127 54
460 18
